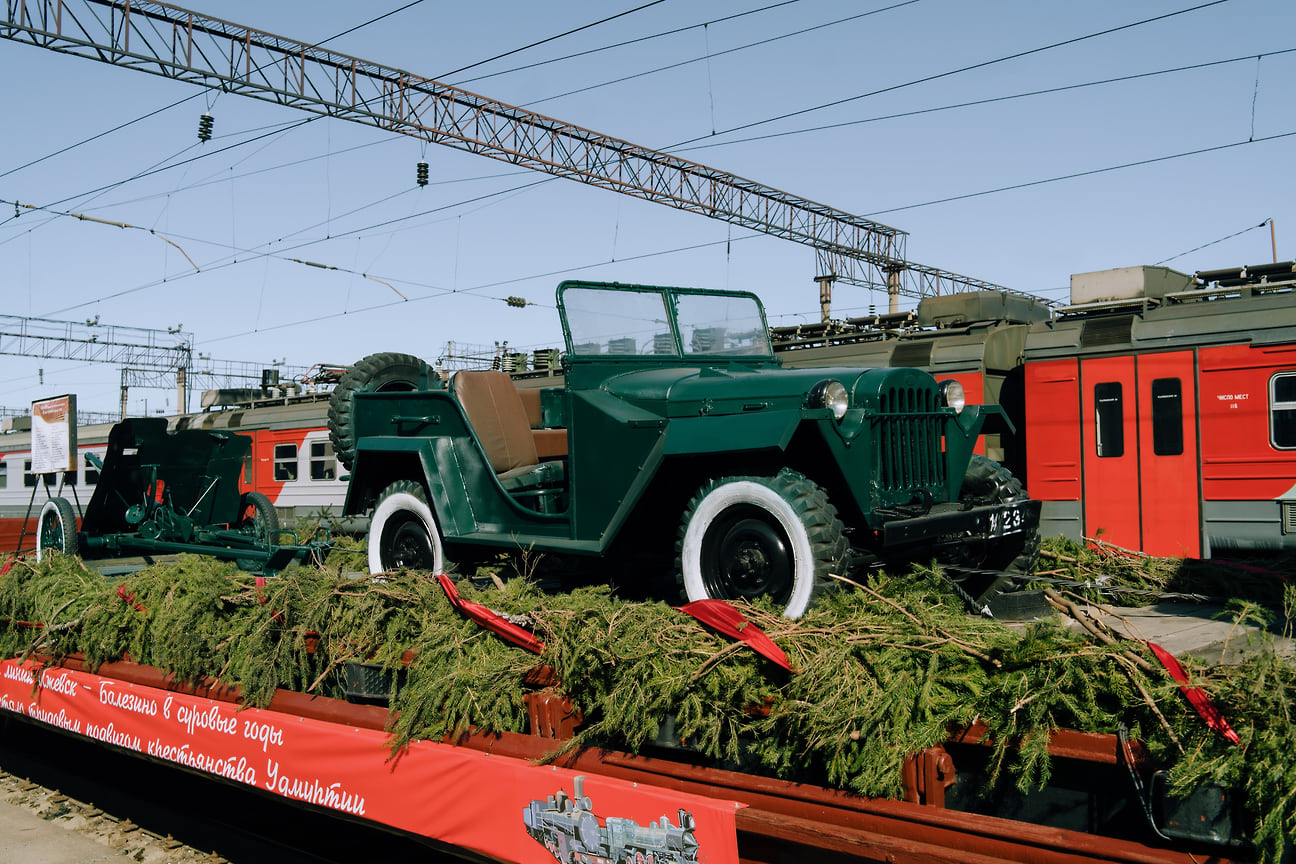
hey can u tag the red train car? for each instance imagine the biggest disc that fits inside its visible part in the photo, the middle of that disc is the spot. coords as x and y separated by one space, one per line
1161 410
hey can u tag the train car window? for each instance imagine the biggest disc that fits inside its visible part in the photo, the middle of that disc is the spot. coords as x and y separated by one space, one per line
29 479
1282 410
91 472
1109 419
4 475
285 462
1167 417
323 464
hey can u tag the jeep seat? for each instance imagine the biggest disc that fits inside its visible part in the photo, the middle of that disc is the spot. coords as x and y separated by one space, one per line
500 423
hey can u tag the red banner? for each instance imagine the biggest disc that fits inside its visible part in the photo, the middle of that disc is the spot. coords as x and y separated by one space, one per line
496 805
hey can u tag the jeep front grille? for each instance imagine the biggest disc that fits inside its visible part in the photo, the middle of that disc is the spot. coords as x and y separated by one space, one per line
910 431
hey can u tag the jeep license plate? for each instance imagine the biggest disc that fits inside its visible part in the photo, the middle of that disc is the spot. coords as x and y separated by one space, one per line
1009 520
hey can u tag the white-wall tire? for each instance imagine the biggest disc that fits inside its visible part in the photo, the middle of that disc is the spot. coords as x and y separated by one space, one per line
56 529
748 537
403 532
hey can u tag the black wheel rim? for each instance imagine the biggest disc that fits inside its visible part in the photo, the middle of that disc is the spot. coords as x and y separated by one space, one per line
52 533
405 543
747 554
253 522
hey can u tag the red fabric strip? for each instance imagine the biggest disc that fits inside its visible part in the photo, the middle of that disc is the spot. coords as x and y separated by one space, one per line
129 597
720 616
490 619
1196 696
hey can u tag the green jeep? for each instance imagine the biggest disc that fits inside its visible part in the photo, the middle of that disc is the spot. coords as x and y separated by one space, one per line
679 447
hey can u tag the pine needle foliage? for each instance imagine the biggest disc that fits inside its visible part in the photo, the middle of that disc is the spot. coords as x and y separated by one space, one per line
882 670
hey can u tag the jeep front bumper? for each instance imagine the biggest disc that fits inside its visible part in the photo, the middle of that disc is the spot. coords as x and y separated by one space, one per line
946 523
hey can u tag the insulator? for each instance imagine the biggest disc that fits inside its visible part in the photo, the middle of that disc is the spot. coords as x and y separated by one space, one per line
205 127
519 302
422 173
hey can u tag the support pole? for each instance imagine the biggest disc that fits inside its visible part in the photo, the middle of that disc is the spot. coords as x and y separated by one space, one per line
893 289
825 297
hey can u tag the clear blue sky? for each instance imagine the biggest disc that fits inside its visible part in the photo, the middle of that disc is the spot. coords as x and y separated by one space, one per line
315 192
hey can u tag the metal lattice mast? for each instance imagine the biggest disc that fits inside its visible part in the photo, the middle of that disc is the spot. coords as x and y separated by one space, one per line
177 43
148 358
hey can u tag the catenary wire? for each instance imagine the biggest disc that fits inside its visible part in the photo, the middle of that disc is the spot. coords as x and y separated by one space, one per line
1089 173
977 102
1213 243
951 72
367 23
625 43
99 135
550 38
719 53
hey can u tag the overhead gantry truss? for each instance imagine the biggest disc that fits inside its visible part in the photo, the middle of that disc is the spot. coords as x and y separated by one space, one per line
176 43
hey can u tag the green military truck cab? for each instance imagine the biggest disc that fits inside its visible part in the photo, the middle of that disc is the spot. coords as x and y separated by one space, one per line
679 446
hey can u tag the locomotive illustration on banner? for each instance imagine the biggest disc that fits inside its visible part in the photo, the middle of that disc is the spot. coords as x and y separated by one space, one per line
574 834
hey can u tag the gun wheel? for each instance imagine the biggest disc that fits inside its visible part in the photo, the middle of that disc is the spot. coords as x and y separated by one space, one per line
748 537
56 529
257 516
403 532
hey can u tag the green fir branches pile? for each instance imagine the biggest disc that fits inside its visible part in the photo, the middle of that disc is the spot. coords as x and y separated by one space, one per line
881 671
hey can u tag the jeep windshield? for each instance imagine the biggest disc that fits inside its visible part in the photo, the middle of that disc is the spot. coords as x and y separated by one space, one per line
628 321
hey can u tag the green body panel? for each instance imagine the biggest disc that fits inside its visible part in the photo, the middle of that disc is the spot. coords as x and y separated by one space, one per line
428 428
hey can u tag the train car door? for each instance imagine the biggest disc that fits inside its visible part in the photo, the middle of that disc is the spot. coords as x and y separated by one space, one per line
1110 461
1052 431
1168 455
1140 466
278 454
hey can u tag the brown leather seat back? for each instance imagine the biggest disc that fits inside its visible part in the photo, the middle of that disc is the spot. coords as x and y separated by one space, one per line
530 397
498 418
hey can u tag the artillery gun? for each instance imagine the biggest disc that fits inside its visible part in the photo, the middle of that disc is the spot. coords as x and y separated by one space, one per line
165 492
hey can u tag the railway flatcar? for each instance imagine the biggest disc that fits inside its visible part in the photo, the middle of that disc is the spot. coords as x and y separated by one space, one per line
291 463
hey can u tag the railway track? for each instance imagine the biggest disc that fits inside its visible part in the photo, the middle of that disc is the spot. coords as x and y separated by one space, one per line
157 813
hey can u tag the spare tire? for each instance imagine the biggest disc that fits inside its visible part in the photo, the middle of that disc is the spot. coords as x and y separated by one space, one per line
378 373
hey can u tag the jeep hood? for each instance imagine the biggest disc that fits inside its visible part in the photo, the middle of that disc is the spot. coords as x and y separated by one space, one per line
681 391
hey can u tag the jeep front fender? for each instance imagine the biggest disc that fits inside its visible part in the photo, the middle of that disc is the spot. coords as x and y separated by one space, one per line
756 430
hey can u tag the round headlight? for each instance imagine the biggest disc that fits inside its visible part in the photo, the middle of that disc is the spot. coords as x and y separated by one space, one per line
952 395
831 394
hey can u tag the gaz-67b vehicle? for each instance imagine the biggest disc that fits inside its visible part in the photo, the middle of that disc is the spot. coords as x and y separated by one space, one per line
679 453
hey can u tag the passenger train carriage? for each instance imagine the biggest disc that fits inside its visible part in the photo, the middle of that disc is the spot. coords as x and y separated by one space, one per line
1161 410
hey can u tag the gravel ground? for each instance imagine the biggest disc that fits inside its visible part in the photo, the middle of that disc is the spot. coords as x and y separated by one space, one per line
44 826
